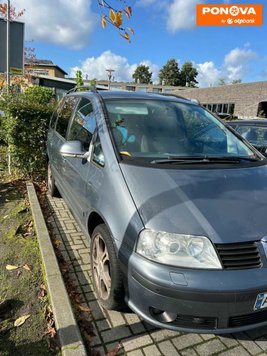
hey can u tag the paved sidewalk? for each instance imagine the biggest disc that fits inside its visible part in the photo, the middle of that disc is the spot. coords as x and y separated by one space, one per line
137 337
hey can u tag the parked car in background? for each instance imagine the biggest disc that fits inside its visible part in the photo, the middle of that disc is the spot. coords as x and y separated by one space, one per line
174 205
254 131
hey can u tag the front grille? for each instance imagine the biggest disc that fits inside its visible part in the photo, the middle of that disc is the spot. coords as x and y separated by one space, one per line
239 255
194 322
248 319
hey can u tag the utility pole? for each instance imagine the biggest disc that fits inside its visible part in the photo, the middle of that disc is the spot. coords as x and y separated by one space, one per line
110 71
7 70
7 46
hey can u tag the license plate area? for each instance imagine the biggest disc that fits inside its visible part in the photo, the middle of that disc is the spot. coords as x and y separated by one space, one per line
261 301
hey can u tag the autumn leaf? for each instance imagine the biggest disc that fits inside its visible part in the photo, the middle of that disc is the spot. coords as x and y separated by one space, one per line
18 273
112 16
104 21
86 326
11 267
126 36
130 29
84 308
88 337
21 320
115 351
27 267
57 243
129 9
51 331
42 291
118 19
127 13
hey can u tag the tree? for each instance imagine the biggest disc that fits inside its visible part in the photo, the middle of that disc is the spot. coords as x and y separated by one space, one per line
110 14
93 82
170 73
79 78
13 12
114 16
236 81
221 81
188 75
142 75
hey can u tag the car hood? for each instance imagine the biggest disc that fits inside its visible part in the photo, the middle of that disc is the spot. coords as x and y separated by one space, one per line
226 205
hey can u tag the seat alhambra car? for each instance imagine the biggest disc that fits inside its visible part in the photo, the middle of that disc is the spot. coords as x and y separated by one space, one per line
174 205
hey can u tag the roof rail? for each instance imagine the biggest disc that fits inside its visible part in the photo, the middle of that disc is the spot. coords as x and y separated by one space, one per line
83 88
170 94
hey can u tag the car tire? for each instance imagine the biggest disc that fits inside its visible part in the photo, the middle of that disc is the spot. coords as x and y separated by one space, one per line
106 274
52 188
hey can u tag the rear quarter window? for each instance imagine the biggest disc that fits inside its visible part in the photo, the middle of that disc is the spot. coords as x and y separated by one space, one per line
83 124
65 114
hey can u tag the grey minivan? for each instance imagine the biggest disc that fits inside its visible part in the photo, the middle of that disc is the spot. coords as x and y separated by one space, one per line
174 204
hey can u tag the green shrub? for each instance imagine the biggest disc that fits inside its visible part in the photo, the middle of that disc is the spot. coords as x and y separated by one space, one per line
25 130
39 95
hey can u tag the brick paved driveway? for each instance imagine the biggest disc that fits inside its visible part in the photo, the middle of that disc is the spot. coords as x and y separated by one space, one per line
136 336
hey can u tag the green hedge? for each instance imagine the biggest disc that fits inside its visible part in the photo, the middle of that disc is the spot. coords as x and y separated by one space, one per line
24 130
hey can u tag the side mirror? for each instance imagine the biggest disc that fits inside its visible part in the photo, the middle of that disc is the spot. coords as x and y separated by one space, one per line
73 149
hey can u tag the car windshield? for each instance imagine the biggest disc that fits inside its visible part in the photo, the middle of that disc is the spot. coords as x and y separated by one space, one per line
256 135
159 129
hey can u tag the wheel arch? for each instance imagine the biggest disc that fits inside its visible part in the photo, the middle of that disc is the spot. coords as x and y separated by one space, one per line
94 220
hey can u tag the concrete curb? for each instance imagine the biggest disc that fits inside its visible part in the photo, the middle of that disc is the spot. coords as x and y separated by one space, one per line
68 331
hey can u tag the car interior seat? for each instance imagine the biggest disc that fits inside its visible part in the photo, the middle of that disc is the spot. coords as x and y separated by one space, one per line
128 132
164 134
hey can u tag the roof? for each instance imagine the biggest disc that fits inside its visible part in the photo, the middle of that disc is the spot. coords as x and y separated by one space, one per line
56 79
43 63
110 94
38 61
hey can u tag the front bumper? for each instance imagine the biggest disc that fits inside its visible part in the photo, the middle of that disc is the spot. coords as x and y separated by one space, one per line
196 300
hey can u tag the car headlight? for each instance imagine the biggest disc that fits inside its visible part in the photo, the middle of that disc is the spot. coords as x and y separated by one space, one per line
178 249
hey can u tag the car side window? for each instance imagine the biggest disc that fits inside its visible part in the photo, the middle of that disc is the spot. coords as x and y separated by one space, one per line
65 114
83 125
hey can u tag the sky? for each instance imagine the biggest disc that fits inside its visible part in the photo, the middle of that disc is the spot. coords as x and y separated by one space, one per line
69 33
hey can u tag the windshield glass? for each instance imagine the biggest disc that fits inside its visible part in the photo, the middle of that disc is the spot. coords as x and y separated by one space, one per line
164 129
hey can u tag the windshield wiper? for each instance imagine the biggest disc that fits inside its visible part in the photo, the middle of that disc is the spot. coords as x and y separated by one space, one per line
203 159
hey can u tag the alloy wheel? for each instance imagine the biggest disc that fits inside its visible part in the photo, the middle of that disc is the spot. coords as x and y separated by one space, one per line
101 267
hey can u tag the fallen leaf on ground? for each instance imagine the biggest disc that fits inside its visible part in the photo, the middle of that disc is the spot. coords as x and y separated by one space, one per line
51 331
87 326
88 337
42 291
115 351
18 273
57 243
84 308
11 267
21 320
27 267
27 229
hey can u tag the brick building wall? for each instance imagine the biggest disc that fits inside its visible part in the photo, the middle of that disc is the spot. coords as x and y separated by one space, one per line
245 96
